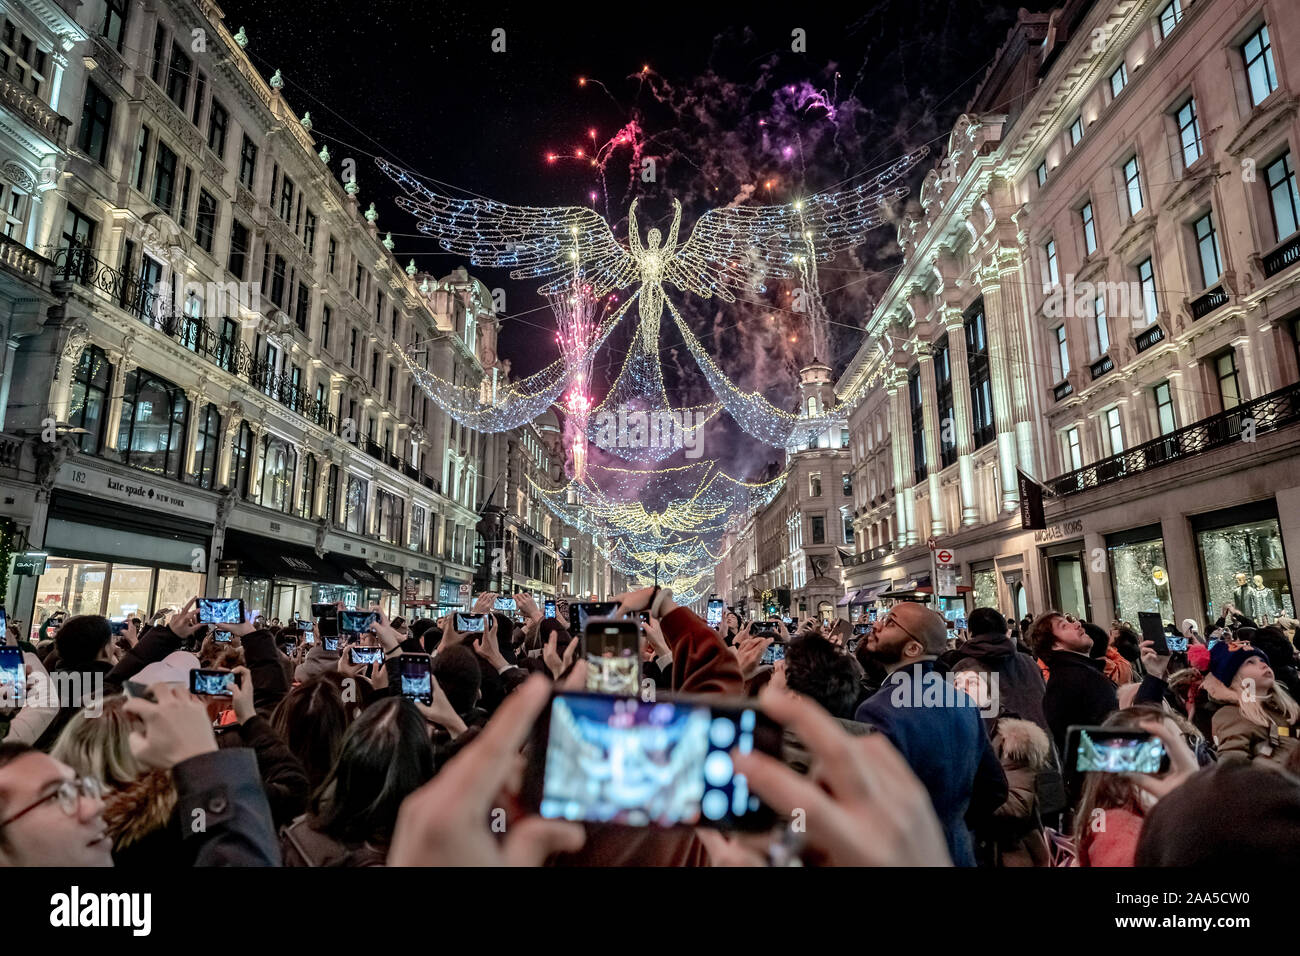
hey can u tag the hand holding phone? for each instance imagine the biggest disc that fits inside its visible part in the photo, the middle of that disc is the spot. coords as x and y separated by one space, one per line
1153 630
213 683
13 680
221 610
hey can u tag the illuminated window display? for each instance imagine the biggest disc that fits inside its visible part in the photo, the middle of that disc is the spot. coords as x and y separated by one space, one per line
1139 574
984 589
1244 564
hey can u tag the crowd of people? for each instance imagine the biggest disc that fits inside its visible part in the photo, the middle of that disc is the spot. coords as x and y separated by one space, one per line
902 745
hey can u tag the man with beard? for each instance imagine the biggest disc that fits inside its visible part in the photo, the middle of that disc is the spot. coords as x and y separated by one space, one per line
1078 692
936 727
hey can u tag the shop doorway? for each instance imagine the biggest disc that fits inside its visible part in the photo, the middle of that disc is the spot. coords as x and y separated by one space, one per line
1069 585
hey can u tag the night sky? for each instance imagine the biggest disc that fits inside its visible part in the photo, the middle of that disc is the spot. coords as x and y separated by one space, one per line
725 103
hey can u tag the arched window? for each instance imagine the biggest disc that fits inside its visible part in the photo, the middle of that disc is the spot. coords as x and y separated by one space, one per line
89 399
151 431
278 464
243 455
207 447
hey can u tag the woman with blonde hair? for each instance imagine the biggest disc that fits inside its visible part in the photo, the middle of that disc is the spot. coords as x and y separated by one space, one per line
1257 718
138 802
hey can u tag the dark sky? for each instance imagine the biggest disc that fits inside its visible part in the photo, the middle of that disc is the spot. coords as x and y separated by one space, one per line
419 83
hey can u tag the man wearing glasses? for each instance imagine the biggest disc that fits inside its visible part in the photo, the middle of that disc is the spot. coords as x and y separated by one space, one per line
936 727
47 816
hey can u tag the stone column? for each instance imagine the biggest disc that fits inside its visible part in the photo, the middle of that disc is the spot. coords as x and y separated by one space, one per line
229 435
1000 375
961 409
1183 386
255 466
122 367
197 408
295 489
901 445
930 421
1140 416
1250 377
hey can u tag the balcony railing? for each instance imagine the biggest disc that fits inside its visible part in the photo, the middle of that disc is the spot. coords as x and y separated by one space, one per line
34 110
1144 340
1287 254
1063 390
1204 305
1101 367
1265 414
18 258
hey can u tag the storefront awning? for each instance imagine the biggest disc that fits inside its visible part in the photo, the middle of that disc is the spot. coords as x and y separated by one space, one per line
867 595
355 571
278 560
850 598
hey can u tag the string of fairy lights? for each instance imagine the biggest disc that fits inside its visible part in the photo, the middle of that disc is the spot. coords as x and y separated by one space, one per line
654 521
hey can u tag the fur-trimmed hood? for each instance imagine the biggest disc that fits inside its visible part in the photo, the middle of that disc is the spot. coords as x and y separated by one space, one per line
1022 742
140 808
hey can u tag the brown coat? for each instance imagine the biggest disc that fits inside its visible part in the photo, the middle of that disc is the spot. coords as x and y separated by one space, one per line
1235 737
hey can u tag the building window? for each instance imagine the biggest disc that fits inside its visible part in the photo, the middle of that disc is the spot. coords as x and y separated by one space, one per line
200 90
207 447
1284 199
310 478
416 541
286 198
1074 449
392 377
303 306
818 529
1114 431
309 233
916 399
164 178
1076 131
846 482
247 162
333 255
218 122
1207 249
96 123
1052 275
205 221
977 362
354 505
113 28
78 232
1118 80
389 517
279 461
815 484
1165 409
1225 368
277 282
326 317
374 369
1103 327
155 69
89 398
226 344
151 430
1261 76
243 458
1062 352
352 362
1189 132
1147 282
178 77
357 290
1170 17
141 157
1040 174
1133 185
1089 229
23 59
238 249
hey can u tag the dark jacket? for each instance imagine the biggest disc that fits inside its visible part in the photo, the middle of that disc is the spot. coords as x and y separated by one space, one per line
1077 693
236 828
303 845
284 779
1020 686
946 746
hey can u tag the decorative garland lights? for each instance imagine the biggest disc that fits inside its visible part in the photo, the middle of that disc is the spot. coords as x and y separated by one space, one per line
649 524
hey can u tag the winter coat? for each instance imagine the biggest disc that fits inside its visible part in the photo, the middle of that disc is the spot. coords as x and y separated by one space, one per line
947 748
303 845
1236 737
1077 693
284 779
1117 670
139 819
1016 836
1020 684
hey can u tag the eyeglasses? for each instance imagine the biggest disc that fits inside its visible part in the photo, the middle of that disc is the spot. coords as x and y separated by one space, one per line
1070 619
68 794
890 619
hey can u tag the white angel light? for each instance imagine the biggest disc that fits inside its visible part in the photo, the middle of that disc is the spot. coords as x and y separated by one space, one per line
724 248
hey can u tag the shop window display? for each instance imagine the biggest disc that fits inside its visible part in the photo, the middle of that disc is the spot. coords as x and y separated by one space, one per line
1139 578
984 589
1244 565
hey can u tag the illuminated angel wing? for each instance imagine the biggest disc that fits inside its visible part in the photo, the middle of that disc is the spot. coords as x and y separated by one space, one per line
536 241
729 247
